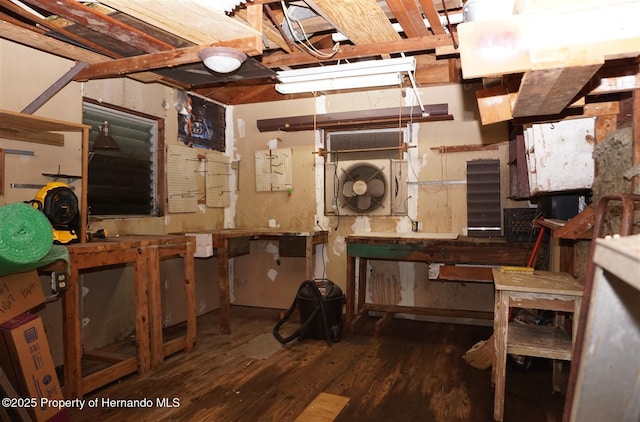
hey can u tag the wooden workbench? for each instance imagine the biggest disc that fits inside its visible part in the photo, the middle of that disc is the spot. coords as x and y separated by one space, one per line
443 248
229 243
144 252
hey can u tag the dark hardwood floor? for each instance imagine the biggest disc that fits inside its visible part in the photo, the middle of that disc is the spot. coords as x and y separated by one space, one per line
413 371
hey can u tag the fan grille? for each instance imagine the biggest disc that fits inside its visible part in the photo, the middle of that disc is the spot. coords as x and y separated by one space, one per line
363 188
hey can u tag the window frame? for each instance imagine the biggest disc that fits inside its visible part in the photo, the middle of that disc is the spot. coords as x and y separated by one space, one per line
159 208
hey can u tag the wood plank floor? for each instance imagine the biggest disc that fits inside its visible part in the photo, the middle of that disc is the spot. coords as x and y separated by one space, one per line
413 371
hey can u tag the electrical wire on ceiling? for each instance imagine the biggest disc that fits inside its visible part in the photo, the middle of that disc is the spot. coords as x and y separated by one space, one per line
306 43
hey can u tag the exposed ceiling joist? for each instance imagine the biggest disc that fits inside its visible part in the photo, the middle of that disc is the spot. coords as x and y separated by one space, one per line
103 24
409 17
153 61
407 45
361 21
50 45
554 43
549 91
432 15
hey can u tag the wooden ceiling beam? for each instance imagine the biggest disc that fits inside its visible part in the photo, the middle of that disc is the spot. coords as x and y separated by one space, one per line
432 15
44 23
624 79
549 91
50 45
271 30
407 45
409 17
169 58
104 24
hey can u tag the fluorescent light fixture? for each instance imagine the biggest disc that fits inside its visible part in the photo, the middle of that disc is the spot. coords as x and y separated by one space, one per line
349 82
344 76
370 67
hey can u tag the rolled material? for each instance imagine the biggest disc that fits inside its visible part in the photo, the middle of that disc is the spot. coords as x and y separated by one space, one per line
26 236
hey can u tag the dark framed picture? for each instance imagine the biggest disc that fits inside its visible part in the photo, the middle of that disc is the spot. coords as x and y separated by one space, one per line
201 123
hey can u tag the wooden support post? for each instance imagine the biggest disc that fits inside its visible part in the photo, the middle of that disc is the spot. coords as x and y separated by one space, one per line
141 300
155 306
54 88
223 285
190 293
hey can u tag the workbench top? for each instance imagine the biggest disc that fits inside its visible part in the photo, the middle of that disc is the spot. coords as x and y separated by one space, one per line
547 282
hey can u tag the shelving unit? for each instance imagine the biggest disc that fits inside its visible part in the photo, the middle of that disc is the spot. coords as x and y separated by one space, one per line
42 130
545 290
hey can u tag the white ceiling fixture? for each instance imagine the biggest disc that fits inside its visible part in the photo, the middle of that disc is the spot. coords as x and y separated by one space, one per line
333 84
364 68
222 59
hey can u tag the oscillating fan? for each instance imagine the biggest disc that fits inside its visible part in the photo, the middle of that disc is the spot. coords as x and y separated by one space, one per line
363 187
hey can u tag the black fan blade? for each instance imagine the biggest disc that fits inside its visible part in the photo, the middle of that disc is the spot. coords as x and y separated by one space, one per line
375 187
364 202
347 189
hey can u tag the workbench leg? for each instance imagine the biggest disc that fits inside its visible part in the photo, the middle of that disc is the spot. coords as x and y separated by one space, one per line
72 336
500 329
362 282
190 294
142 313
155 307
308 258
556 364
351 291
223 286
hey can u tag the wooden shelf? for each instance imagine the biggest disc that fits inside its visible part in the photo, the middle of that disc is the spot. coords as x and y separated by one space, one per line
35 129
538 341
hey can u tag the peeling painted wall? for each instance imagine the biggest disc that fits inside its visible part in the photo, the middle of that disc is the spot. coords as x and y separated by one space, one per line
437 192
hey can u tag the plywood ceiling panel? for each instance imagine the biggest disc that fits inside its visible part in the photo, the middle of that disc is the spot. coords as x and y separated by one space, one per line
362 21
205 24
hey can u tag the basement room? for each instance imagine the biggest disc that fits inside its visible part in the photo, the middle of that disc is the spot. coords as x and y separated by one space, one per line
319 210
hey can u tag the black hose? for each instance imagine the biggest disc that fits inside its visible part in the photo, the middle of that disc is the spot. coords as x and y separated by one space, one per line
305 324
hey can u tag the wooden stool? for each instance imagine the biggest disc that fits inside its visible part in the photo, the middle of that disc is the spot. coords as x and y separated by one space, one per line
542 290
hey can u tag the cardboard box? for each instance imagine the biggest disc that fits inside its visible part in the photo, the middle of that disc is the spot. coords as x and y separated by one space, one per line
19 293
26 359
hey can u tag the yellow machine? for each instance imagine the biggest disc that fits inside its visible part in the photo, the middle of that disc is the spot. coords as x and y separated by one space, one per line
58 202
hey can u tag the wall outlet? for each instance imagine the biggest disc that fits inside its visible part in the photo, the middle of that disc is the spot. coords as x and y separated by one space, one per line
58 281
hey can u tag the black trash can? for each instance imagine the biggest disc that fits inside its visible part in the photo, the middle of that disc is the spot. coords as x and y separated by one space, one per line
332 303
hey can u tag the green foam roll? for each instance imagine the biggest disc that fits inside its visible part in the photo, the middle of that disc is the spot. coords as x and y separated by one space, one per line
26 236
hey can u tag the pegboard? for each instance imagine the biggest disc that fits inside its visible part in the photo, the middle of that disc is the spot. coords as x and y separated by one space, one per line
218 170
274 169
182 179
